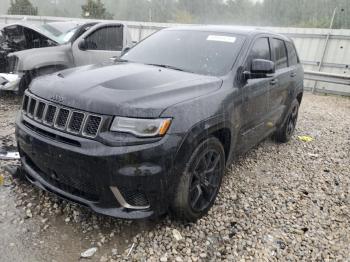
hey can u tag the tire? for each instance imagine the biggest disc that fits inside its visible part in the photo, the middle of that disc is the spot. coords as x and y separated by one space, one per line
285 133
196 191
30 75
24 83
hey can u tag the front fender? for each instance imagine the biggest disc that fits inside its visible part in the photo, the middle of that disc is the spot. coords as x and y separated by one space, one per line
202 131
199 118
42 57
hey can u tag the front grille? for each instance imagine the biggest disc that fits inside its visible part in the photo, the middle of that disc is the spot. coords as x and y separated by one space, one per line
76 122
31 108
25 103
50 114
40 111
75 185
62 118
92 125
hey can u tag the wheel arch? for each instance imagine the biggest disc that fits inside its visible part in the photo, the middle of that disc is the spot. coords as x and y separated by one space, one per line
212 127
300 97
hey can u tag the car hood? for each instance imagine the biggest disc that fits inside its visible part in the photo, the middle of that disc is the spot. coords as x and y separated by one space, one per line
125 89
16 41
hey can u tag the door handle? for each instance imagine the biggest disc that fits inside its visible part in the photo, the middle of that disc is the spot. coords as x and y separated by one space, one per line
293 74
273 82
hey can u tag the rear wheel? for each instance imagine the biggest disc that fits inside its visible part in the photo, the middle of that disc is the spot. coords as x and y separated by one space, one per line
200 181
285 133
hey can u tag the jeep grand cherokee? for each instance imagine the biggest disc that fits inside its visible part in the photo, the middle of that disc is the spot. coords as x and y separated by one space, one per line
154 131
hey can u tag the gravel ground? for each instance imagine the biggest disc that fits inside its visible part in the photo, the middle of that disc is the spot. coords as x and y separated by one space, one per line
279 202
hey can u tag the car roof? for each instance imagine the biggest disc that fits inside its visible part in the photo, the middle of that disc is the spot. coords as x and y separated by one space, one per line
240 30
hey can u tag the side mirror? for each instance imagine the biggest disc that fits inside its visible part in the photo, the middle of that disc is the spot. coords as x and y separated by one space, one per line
36 43
125 50
260 69
82 45
114 59
261 66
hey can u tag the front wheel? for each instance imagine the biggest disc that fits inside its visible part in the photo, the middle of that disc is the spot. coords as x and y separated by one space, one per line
285 133
24 83
200 181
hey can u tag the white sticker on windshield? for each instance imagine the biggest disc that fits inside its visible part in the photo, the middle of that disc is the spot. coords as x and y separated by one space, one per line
222 38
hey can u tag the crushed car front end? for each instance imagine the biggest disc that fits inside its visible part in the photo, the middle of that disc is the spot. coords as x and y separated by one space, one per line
72 153
10 78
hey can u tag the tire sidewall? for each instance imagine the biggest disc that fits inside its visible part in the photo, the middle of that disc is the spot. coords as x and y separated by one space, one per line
182 204
295 103
281 133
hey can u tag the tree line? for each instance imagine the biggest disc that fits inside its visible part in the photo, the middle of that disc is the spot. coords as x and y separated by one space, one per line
290 13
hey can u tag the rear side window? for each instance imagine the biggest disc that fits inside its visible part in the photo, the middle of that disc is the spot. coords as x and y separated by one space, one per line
260 50
280 50
292 54
106 38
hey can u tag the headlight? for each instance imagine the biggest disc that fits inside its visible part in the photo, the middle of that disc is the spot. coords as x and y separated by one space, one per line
141 127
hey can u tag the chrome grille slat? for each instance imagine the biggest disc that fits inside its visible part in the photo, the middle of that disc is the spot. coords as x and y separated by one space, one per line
25 103
92 125
50 114
76 122
39 112
62 118
32 106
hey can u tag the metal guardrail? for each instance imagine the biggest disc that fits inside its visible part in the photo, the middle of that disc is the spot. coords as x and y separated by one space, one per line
331 57
327 77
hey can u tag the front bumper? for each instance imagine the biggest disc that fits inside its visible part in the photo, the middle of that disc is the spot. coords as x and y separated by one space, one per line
10 82
129 182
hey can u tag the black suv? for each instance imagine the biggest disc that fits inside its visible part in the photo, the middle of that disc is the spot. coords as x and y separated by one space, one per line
154 131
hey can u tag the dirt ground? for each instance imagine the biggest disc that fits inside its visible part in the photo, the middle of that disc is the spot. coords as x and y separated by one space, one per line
279 202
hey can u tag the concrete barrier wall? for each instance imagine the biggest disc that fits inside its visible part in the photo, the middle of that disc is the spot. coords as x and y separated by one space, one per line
316 53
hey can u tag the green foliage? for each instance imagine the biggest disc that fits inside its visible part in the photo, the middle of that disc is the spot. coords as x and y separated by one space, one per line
22 7
95 9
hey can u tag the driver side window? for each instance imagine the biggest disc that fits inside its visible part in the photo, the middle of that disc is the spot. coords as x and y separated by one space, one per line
107 38
260 50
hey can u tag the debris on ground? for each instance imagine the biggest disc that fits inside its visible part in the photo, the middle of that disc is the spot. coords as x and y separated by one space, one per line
131 248
9 155
306 138
89 253
177 235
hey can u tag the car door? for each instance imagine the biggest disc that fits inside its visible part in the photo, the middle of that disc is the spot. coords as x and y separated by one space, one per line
255 95
296 69
280 89
102 42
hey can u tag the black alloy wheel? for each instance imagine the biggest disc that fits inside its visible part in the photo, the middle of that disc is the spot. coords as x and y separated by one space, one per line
200 181
292 120
205 180
285 133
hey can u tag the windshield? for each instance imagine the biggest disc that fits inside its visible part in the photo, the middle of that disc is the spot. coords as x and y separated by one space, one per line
59 36
207 53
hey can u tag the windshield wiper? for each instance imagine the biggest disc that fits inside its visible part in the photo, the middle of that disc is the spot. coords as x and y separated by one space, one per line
170 67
